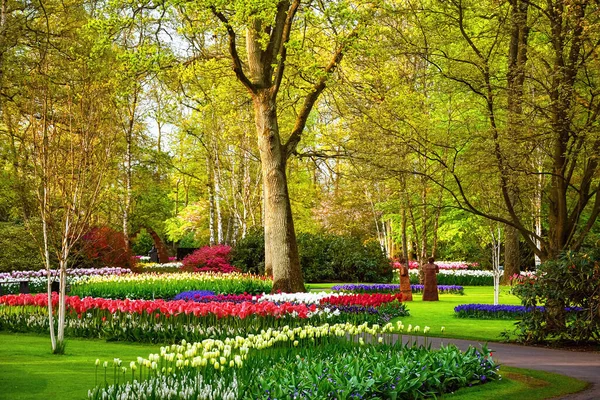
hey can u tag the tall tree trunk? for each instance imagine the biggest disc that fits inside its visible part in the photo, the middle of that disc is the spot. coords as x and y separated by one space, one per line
517 59
280 237
211 202
127 199
512 256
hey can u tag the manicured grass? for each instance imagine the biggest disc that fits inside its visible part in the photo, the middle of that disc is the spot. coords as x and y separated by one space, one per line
436 314
522 383
29 371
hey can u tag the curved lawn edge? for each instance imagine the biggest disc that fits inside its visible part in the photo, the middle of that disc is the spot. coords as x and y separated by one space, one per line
523 383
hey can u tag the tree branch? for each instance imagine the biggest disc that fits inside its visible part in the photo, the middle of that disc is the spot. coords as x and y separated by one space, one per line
282 50
311 98
237 63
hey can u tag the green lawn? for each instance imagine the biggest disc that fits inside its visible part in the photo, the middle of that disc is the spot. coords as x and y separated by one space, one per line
28 371
436 314
522 383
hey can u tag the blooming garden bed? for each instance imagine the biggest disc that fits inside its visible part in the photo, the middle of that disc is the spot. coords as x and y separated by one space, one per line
455 277
310 362
500 311
163 321
168 285
394 288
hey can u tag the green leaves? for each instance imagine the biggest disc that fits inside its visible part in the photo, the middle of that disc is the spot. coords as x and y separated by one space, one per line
573 280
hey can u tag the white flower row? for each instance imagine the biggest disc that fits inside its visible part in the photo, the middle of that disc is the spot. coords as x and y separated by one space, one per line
186 387
458 272
304 298
147 265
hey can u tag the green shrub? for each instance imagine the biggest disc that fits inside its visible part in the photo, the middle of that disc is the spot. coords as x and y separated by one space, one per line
323 258
249 252
19 250
572 280
142 243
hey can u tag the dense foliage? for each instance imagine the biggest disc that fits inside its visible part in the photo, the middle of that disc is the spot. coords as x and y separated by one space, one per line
323 257
18 249
573 280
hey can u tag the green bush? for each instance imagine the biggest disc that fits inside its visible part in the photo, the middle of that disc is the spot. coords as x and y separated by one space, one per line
323 258
142 243
571 281
19 250
249 252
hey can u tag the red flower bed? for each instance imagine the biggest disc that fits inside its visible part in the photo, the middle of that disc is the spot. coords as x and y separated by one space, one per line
362 299
220 310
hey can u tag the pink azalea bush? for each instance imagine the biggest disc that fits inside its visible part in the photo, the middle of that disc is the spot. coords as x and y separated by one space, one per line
210 259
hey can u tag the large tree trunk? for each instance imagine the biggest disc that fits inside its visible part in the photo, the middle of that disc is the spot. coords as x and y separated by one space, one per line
280 239
512 256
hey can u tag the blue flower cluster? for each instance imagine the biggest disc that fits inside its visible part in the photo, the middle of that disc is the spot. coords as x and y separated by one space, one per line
500 311
391 288
195 295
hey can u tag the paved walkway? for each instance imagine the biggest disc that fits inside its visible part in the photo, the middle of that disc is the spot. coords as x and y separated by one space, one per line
580 365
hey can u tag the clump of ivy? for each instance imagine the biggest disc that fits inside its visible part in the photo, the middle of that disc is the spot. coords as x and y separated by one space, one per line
569 288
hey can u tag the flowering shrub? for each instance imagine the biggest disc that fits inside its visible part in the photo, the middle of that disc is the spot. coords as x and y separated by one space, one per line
324 366
168 285
572 280
391 288
209 259
105 246
489 311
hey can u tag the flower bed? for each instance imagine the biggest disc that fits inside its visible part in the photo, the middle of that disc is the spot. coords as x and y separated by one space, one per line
164 321
173 266
500 311
394 288
38 280
310 362
168 285
449 265
456 277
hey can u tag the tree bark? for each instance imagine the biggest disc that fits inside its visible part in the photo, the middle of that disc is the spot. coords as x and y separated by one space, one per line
280 237
512 257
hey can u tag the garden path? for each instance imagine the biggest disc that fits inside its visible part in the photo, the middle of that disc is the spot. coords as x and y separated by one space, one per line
577 364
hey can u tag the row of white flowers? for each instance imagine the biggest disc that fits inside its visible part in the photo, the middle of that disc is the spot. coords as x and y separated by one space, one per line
304 298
